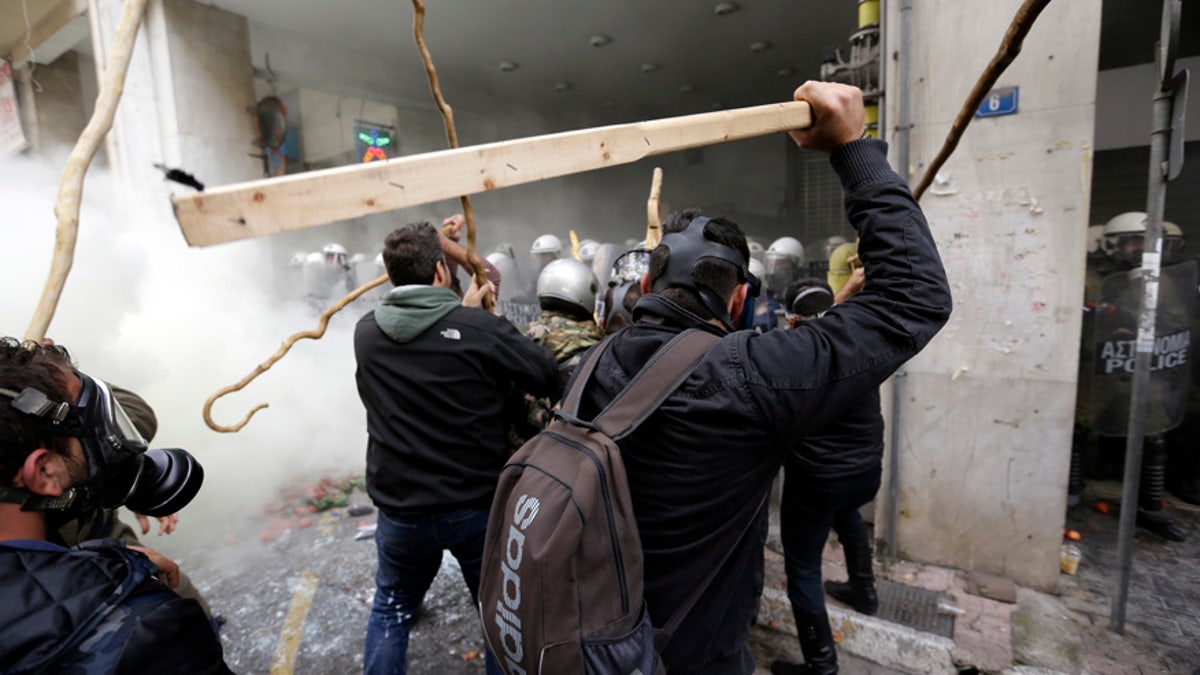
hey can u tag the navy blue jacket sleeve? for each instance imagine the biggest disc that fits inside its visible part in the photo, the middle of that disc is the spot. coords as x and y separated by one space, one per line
800 379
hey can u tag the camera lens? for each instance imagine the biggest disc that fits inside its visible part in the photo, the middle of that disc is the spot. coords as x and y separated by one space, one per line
168 481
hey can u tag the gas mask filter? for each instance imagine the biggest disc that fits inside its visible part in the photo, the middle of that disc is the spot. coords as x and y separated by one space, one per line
121 470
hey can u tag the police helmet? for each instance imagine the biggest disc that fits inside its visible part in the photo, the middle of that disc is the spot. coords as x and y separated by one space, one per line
335 254
570 281
1119 231
547 243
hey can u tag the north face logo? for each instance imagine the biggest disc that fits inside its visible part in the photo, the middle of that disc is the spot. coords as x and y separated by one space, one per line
514 549
452 334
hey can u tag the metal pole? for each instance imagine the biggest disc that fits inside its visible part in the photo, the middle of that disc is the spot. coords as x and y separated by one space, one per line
903 127
1156 197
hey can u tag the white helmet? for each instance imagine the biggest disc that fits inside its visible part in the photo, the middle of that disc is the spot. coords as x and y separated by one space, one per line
757 252
785 247
1173 242
547 243
759 270
1119 230
830 243
335 254
783 260
587 250
570 281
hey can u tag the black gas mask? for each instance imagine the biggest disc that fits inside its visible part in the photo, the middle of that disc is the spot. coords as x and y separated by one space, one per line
687 248
121 470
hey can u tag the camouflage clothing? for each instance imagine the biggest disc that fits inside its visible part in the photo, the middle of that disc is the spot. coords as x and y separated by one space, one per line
564 336
568 339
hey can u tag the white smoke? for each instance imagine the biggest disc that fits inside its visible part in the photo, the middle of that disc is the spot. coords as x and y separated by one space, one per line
143 310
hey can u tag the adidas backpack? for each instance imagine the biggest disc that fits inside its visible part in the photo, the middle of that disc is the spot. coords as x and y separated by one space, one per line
561 586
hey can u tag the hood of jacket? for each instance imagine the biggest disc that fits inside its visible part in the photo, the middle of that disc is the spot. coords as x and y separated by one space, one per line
407 311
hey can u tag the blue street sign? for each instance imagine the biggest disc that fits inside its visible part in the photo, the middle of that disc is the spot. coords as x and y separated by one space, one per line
1002 101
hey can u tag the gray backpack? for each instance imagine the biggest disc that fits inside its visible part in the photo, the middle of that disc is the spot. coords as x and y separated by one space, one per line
561 586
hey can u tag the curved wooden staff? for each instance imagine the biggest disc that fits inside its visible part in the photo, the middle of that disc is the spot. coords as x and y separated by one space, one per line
451 136
653 213
1010 46
70 191
314 334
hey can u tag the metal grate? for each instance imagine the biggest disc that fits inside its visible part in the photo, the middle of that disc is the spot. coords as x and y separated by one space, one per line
913 607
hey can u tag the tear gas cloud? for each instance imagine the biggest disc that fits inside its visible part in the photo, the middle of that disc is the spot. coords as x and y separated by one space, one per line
143 310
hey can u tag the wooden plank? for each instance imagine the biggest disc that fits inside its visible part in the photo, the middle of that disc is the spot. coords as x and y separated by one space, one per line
265 207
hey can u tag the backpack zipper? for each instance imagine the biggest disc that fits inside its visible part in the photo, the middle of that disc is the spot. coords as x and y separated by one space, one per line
612 532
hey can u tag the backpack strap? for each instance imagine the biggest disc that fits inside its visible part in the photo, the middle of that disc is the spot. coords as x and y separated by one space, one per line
570 403
662 375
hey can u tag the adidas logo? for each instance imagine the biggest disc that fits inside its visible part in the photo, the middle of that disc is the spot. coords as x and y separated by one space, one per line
452 334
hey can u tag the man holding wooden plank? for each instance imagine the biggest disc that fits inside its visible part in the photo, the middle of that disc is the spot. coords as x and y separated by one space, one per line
701 467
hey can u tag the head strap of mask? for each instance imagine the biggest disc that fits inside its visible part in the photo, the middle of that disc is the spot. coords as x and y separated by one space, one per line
34 402
618 303
687 249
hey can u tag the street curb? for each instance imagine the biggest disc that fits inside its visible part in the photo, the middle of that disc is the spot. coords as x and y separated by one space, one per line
881 642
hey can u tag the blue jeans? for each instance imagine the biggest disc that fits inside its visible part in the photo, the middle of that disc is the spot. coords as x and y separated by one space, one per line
410 554
810 508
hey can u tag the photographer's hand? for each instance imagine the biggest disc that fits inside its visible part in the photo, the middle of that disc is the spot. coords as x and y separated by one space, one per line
166 524
170 571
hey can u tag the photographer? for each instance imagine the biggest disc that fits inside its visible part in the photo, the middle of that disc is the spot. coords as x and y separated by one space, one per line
66 445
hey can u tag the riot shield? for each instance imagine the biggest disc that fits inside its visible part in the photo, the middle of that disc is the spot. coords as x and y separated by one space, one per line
1114 346
519 314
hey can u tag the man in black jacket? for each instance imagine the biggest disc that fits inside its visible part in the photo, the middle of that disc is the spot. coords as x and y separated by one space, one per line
433 375
101 607
700 468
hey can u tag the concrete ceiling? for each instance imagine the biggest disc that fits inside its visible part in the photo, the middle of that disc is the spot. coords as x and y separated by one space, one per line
549 41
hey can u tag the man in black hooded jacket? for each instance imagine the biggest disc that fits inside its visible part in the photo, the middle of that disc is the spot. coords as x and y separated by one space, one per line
433 375
700 468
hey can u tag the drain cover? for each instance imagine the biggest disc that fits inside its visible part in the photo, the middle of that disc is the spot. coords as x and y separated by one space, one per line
913 607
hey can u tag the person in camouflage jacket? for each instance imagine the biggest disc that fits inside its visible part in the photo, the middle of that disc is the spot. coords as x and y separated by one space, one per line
567 295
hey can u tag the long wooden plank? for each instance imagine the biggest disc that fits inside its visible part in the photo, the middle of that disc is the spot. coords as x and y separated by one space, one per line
265 207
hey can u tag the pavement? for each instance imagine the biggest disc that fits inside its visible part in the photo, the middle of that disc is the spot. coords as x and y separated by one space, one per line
297 600
1003 628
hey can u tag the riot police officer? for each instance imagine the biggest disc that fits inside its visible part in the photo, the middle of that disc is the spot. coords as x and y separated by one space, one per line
1106 360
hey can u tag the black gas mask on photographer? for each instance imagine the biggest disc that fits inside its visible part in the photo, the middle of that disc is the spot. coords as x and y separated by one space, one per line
121 470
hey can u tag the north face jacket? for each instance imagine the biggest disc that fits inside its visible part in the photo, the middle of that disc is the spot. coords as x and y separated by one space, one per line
437 433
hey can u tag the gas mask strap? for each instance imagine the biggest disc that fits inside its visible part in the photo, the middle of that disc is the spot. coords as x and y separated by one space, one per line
33 402
33 502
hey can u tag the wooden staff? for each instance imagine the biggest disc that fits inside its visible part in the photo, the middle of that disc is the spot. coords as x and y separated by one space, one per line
653 213
452 138
314 334
70 190
1010 46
